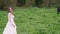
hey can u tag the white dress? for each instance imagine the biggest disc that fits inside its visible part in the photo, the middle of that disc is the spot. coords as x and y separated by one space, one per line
9 29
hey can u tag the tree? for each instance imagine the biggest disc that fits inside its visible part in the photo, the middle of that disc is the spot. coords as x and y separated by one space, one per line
5 3
58 3
1 4
38 3
20 3
29 3
48 3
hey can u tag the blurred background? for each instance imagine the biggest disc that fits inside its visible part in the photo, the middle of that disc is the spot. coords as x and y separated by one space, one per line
32 16
29 3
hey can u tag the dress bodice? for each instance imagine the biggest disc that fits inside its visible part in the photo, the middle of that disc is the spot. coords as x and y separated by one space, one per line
10 17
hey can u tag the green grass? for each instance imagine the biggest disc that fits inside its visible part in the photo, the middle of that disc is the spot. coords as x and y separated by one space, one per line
33 20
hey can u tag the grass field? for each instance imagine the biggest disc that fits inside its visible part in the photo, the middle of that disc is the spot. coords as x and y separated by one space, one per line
33 20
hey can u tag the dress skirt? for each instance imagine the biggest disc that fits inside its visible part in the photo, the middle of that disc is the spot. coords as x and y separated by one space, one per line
9 29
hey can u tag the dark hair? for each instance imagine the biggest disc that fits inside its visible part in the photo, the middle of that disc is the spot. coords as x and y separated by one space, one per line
9 9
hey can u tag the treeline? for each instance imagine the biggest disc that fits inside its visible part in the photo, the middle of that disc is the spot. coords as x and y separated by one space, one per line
26 3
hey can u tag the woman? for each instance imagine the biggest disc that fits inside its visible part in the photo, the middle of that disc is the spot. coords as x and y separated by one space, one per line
10 26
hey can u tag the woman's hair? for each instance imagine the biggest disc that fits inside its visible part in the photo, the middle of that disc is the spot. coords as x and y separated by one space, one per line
10 9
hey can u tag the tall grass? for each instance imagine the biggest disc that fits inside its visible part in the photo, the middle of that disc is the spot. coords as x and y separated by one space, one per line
33 20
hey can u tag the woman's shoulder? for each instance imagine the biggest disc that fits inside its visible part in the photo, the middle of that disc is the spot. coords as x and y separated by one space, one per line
10 14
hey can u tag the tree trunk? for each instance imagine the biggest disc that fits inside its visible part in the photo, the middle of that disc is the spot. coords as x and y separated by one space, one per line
47 3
